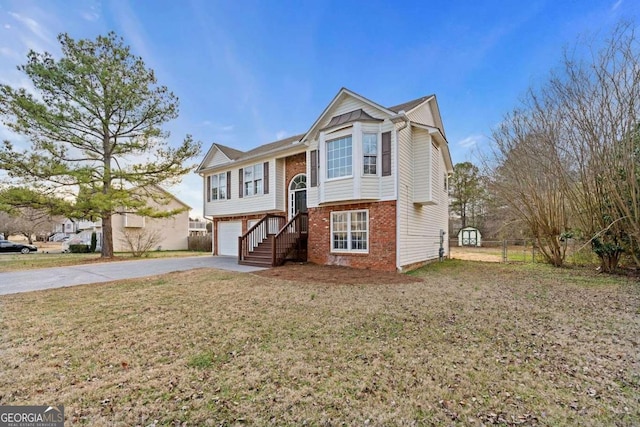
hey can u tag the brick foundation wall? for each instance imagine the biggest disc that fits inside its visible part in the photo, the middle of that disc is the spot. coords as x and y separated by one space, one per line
293 166
382 237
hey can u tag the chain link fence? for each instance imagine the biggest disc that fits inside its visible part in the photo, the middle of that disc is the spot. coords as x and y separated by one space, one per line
519 250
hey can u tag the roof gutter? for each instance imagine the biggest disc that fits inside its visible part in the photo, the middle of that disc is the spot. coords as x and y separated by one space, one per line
400 117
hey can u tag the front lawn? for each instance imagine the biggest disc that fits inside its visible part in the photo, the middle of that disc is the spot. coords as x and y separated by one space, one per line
14 262
456 343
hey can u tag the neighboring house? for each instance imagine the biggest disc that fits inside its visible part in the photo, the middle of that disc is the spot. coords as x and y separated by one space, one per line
170 233
197 227
365 186
68 227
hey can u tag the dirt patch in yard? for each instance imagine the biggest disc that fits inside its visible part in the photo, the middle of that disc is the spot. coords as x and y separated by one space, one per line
467 253
313 273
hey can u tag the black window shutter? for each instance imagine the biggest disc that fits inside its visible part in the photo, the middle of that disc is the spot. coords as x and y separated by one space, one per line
240 182
265 186
314 168
386 154
209 188
228 184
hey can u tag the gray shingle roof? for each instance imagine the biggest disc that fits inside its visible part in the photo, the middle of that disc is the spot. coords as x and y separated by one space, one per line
352 116
409 105
231 153
271 146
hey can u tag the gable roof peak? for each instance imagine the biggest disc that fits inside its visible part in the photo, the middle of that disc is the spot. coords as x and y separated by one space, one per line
231 153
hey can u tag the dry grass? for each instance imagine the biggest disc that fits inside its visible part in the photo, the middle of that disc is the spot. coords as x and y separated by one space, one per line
469 344
16 262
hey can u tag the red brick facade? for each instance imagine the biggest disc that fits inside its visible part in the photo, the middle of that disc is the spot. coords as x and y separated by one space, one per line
293 166
382 237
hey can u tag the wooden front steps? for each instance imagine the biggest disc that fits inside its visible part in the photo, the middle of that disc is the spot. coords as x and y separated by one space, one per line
271 242
261 256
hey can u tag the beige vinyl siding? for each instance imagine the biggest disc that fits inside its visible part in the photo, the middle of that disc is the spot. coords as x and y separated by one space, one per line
217 159
247 204
418 225
347 105
370 187
173 231
437 177
421 166
338 190
422 115
312 197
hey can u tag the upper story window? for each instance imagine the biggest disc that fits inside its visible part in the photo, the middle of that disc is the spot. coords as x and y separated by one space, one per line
370 153
339 157
253 183
219 186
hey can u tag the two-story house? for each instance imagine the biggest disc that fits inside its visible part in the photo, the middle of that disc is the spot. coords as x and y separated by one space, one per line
167 232
365 186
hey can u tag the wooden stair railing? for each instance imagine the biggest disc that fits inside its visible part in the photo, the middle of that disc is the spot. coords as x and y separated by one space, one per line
267 226
289 236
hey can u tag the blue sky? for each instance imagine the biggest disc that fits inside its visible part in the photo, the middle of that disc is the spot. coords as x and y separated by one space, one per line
250 72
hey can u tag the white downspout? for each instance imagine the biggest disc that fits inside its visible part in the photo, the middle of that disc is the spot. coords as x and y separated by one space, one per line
400 117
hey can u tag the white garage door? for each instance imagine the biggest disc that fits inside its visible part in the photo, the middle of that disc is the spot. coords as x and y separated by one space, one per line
228 233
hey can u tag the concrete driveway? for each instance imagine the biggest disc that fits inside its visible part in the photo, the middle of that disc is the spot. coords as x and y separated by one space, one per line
58 277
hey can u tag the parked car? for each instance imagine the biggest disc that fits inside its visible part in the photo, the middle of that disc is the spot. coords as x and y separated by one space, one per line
7 246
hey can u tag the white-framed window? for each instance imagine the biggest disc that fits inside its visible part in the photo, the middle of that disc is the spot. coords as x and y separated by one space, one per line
350 231
219 186
253 176
370 153
339 157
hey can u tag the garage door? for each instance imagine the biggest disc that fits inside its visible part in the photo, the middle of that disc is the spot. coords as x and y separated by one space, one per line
228 233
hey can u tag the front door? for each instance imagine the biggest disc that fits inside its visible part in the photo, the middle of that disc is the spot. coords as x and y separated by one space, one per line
300 201
297 195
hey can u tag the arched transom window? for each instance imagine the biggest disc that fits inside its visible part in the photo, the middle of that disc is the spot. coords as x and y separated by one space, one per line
298 183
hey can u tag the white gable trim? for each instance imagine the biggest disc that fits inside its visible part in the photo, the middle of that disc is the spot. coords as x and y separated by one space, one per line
422 103
209 155
435 111
343 92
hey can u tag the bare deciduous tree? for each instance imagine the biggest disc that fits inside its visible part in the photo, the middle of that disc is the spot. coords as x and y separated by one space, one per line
8 224
141 240
525 182
33 222
581 130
